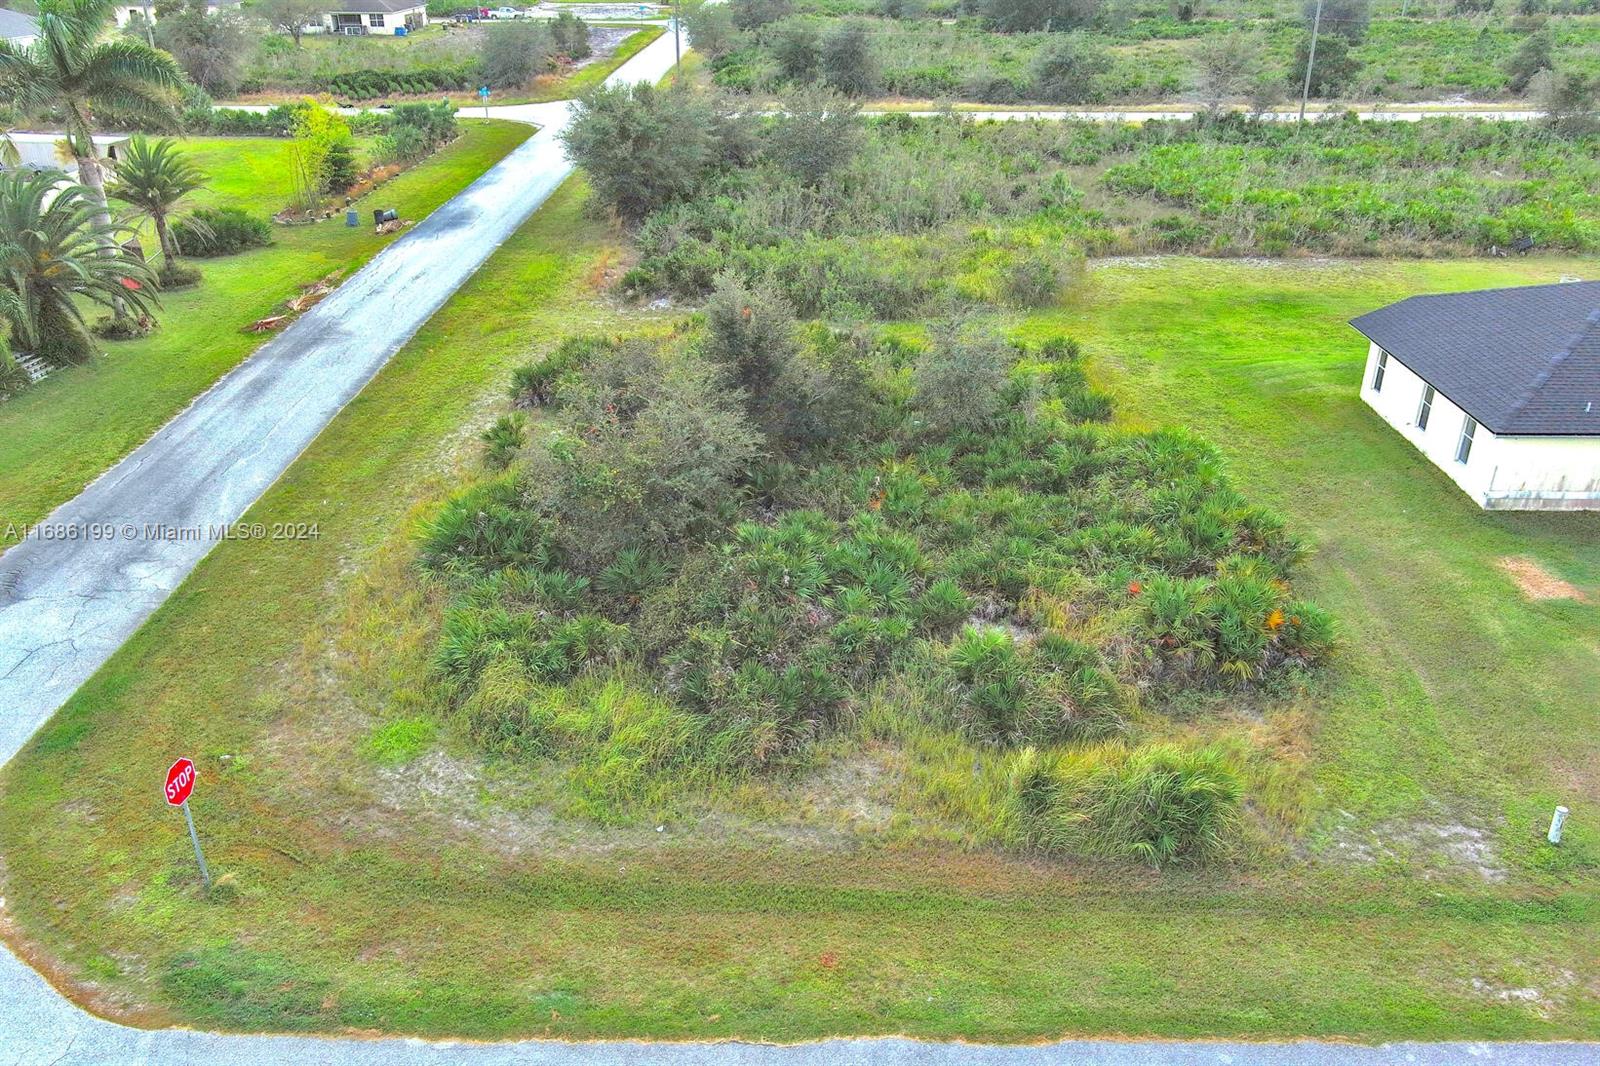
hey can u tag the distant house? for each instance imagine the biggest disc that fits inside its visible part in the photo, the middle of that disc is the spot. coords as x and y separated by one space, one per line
45 151
1499 388
376 16
18 28
124 12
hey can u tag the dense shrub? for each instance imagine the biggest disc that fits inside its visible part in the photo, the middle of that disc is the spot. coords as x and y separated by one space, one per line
1069 72
845 59
644 147
971 559
512 54
211 232
571 36
536 384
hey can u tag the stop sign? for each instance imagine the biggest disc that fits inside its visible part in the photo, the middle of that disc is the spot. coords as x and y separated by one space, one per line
180 782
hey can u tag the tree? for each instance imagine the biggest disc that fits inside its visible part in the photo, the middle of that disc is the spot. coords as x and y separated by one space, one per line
70 70
321 143
798 49
1532 56
571 35
846 59
957 383
1567 100
1068 71
1227 65
711 30
291 16
754 14
153 179
652 449
1346 18
644 147
1030 16
1333 70
818 131
211 46
512 54
52 257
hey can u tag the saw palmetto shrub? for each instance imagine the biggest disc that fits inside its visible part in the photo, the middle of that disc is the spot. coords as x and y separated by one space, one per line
675 563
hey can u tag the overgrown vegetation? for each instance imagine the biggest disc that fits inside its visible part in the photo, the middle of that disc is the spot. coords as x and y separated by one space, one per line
1083 51
934 214
740 535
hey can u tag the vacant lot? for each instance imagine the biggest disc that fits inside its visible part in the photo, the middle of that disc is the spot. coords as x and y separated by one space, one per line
1145 60
62 433
382 878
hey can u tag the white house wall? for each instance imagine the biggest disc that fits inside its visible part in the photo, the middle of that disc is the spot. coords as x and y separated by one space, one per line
1500 472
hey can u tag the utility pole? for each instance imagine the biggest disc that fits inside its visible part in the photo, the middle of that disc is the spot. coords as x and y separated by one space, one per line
149 27
1311 59
677 45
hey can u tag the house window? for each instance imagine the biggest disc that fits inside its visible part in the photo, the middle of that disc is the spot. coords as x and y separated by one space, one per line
1377 376
1427 407
1464 446
375 21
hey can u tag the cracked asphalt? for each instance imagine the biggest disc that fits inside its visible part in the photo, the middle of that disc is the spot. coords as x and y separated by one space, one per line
67 604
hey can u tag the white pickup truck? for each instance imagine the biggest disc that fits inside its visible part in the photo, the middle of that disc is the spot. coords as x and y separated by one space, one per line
505 12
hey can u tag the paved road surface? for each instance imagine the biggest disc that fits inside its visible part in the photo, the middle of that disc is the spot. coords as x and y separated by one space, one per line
65 606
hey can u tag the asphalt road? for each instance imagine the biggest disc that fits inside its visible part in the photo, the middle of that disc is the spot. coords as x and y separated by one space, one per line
129 539
97 567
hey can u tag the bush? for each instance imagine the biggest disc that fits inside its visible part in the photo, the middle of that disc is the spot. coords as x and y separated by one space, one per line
571 36
651 453
1156 803
220 231
798 49
503 440
819 132
115 327
535 384
1068 71
510 55
644 148
1333 70
846 60
178 276
339 168
958 381
1532 56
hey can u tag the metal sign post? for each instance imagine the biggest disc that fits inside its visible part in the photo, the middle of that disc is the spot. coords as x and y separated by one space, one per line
194 838
483 94
179 787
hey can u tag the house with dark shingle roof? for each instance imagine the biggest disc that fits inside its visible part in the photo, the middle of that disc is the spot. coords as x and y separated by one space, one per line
1499 388
18 28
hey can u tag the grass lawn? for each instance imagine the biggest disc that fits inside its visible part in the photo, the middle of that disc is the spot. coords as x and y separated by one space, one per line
359 897
64 432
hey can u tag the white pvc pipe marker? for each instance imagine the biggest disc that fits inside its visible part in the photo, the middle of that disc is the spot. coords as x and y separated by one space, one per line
1557 820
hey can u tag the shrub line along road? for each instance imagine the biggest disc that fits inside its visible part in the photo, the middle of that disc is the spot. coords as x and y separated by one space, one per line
67 604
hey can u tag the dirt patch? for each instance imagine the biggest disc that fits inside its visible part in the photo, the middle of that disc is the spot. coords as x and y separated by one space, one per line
1436 846
1550 992
1536 582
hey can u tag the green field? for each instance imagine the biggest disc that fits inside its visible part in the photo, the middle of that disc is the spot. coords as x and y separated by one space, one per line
64 432
377 881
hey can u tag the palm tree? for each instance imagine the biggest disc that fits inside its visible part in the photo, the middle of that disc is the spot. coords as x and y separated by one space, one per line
154 178
52 254
68 68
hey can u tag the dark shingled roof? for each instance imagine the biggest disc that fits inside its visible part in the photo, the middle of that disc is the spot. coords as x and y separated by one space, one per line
14 24
1523 361
368 7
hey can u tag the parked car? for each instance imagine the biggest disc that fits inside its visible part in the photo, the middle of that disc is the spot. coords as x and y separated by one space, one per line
505 13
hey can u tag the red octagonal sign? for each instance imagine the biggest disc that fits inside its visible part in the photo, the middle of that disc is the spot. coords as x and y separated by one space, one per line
180 782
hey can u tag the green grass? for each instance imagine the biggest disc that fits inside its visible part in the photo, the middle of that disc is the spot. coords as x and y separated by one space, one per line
1454 700
64 432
